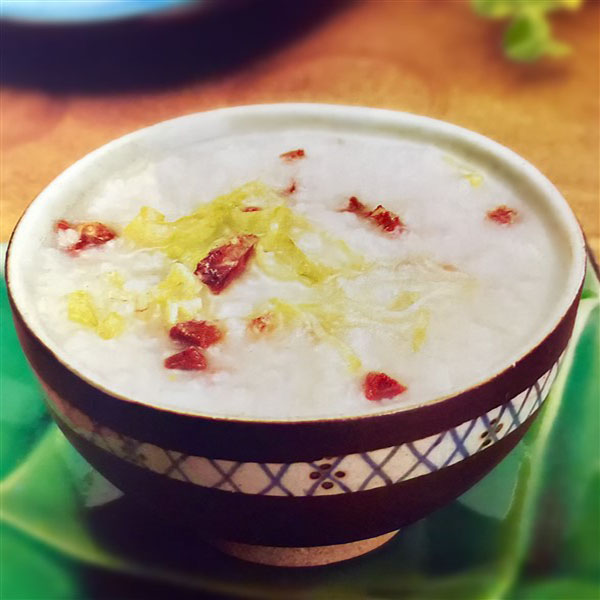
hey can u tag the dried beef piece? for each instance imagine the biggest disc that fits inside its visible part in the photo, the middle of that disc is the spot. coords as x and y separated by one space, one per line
379 385
382 218
62 225
291 188
503 215
90 234
386 219
190 359
356 206
293 155
197 333
224 264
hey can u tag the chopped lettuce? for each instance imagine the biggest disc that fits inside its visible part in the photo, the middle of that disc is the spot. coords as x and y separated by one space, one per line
324 322
279 229
420 329
82 309
111 326
332 312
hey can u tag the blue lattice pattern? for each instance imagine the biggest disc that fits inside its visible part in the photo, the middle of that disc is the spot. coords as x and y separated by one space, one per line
332 475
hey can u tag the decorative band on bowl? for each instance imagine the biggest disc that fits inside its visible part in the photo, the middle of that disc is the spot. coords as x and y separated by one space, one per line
330 475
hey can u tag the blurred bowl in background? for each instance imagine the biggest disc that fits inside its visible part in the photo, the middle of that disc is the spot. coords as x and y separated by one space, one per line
115 46
83 11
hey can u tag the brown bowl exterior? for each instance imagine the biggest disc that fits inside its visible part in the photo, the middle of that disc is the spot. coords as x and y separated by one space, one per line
300 483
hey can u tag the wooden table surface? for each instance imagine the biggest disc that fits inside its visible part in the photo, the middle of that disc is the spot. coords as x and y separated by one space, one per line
424 56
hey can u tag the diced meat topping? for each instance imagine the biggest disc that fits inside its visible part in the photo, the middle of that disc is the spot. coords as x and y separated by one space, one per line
94 234
224 264
356 206
503 215
292 155
62 225
90 234
291 188
190 359
385 219
197 333
379 385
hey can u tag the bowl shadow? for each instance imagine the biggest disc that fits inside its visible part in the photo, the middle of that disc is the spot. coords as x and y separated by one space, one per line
131 530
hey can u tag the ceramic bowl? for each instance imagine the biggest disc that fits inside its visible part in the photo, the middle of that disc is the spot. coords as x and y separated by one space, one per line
298 492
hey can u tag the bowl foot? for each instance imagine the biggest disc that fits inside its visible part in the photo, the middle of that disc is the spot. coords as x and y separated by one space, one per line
311 556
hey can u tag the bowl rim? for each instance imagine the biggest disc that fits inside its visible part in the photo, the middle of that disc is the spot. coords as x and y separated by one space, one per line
137 11
356 115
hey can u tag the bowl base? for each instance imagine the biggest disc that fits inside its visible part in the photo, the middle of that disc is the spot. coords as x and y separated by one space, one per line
312 556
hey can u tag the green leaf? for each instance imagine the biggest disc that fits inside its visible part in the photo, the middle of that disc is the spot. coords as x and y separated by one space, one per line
31 572
570 460
23 416
591 284
495 495
581 553
573 474
39 498
559 589
578 427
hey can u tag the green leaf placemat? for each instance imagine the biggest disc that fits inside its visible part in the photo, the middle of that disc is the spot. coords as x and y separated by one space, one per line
529 531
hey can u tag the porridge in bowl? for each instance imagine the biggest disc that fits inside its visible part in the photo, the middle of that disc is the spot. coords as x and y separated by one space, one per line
302 274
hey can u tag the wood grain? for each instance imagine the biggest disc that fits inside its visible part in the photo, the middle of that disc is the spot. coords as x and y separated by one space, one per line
429 57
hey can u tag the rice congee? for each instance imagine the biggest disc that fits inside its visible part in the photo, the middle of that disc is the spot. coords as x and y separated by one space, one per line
296 275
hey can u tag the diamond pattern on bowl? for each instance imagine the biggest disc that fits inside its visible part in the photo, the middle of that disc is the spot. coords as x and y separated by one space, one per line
330 475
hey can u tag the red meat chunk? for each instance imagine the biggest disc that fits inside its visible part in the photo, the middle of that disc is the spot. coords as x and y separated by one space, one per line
293 155
197 333
356 206
291 188
379 216
503 215
62 225
379 385
224 264
385 219
90 234
190 359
